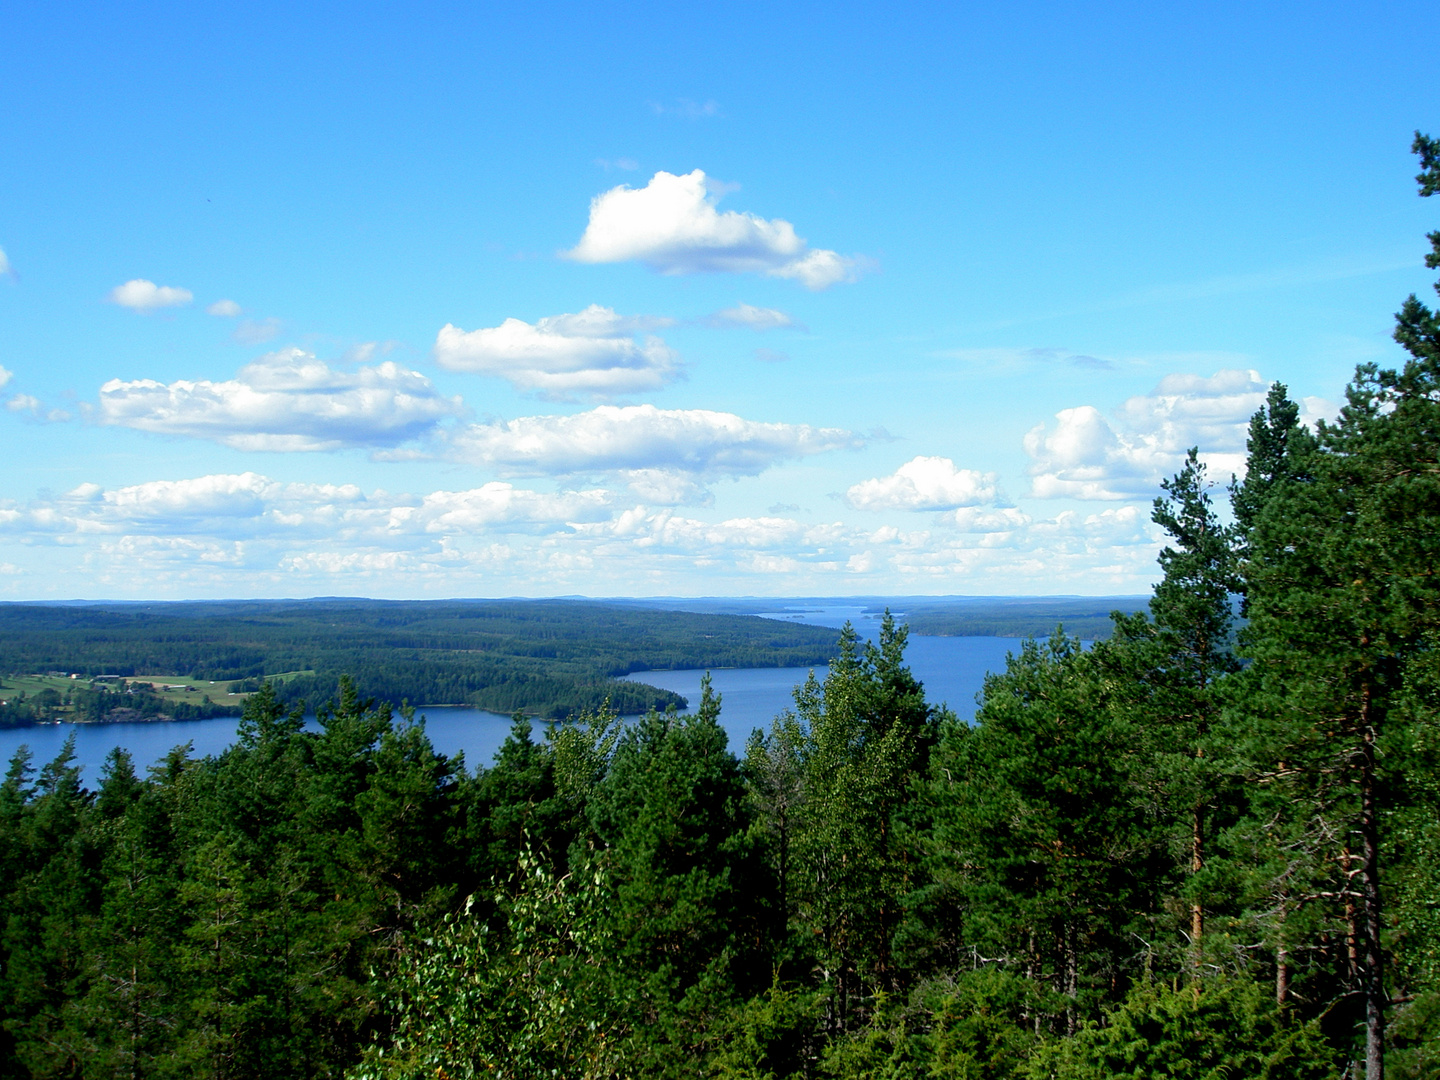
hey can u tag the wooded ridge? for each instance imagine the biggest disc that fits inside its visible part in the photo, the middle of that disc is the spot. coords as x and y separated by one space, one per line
549 658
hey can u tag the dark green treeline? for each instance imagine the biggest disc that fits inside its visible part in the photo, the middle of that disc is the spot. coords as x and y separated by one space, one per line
1197 849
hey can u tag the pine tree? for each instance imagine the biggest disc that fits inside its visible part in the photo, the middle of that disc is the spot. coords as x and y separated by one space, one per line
1038 836
670 829
1174 663
1343 607
868 736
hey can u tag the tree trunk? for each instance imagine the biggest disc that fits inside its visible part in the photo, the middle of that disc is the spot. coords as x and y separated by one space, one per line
1352 923
1282 963
1373 973
1072 978
1197 863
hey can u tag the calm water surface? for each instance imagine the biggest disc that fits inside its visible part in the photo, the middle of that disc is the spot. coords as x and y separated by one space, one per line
952 670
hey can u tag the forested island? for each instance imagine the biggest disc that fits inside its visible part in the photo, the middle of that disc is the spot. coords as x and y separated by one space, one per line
1206 846
548 658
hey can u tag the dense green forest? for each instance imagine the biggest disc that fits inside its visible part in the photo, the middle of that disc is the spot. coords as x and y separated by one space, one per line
547 658
1200 848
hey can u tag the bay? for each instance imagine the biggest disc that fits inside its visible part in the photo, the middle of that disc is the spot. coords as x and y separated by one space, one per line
951 669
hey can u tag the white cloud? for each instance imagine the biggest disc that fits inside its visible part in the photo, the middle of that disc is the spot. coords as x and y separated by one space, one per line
666 529
25 403
145 296
5 375
1313 410
672 226
353 563
688 108
498 503
989 521
924 483
214 535
179 501
664 487
4 262
288 401
257 331
751 318
1085 457
611 438
595 353
248 505
224 308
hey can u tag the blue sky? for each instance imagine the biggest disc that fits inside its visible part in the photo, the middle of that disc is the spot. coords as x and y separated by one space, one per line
632 300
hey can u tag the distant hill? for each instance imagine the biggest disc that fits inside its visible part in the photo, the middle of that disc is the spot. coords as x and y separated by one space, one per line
940 616
1087 617
543 657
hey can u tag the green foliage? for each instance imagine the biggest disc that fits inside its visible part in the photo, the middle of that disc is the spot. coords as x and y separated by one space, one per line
1040 834
1213 1031
522 995
969 1026
867 735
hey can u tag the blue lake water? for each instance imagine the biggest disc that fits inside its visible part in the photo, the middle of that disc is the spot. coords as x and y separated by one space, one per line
952 670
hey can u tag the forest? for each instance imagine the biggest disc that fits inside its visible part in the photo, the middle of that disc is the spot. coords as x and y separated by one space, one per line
547 658
1088 619
1206 846
1085 617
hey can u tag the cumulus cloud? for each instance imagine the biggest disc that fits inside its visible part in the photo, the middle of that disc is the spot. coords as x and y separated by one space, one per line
750 317
1086 457
35 408
5 375
287 401
145 296
595 353
673 227
611 438
924 483
224 308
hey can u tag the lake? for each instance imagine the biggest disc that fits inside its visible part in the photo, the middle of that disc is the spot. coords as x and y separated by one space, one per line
952 670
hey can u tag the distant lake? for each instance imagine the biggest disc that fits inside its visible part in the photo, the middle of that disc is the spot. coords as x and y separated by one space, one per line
952 670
